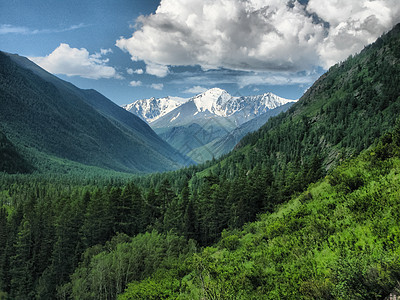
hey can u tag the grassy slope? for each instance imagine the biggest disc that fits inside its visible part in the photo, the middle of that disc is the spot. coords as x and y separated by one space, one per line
338 240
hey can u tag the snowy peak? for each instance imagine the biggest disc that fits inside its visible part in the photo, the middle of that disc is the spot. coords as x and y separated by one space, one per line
212 100
153 109
270 100
255 104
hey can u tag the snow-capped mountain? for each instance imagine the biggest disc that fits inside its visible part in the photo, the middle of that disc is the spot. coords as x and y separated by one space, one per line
256 105
215 102
203 121
219 104
152 109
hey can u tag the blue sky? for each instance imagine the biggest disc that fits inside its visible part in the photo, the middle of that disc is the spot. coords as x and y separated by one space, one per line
134 49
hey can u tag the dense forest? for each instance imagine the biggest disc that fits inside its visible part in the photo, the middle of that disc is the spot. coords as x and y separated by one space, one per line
295 211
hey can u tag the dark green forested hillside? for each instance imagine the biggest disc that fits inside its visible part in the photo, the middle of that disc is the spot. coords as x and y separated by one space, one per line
337 240
48 118
328 224
10 160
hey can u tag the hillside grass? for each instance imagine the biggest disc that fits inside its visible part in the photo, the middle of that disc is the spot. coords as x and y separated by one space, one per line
340 239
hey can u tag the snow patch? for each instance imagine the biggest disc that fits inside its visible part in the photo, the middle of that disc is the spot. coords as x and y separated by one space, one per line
174 118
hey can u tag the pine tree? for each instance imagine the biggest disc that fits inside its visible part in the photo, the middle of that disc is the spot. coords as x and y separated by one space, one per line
22 281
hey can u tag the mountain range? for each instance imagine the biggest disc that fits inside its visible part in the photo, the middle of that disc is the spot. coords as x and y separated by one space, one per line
52 123
202 126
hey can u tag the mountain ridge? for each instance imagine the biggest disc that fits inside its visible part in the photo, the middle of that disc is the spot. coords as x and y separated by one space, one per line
214 112
75 124
213 102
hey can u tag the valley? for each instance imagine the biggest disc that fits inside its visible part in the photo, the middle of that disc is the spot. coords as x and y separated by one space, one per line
210 124
207 194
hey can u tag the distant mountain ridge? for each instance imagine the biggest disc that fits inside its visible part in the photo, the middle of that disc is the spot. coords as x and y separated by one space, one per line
151 109
215 102
195 126
220 146
51 118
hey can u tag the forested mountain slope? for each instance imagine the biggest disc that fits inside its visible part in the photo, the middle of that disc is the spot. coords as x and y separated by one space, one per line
344 111
10 160
223 145
338 240
41 113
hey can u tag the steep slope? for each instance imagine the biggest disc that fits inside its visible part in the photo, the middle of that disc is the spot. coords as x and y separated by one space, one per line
344 111
10 160
225 144
337 240
44 114
186 138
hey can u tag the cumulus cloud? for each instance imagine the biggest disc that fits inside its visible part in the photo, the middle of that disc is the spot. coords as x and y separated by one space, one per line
135 83
353 24
157 86
195 90
157 70
255 35
77 62
129 71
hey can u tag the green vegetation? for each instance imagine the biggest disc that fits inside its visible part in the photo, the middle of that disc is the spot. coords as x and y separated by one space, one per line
10 160
338 240
49 119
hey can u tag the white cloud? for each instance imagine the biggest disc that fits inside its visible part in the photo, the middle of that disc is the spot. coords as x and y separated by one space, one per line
8 28
256 35
105 51
241 35
76 62
195 90
157 86
135 83
274 78
353 24
243 79
157 70
131 71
